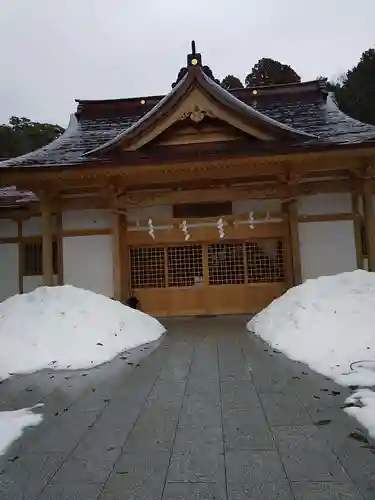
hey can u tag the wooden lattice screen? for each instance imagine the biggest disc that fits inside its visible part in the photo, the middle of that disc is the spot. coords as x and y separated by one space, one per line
228 264
265 261
185 265
147 267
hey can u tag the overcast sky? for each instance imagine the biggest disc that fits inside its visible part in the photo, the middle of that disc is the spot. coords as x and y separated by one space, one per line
53 51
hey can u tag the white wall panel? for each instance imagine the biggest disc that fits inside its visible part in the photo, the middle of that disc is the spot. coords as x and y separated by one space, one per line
325 203
8 270
31 282
8 228
88 263
327 248
86 219
34 226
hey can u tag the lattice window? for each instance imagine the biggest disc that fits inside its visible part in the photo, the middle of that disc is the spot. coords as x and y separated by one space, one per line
32 255
185 265
147 267
226 264
265 261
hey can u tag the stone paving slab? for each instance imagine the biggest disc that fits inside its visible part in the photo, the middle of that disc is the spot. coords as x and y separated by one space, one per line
210 413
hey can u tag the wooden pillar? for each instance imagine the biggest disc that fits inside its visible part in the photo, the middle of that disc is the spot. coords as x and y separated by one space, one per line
369 219
125 259
289 275
357 221
295 250
116 255
60 255
47 241
20 255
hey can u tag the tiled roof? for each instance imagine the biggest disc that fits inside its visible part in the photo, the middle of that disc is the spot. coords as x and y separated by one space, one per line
13 197
311 112
321 118
80 137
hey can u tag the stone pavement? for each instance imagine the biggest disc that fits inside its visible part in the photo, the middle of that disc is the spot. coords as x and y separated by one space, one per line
209 413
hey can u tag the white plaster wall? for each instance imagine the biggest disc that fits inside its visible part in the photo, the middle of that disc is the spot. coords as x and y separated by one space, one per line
31 282
8 270
325 203
34 226
88 263
327 248
8 228
156 212
86 219
246 206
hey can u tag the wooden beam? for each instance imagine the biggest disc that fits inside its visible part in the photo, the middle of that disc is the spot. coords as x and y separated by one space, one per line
326 217
292 211
84 232
369 219
47 241
207 234
220 193
188 194
357 221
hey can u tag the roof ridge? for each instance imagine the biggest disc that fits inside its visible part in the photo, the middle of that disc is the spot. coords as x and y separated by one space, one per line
299 85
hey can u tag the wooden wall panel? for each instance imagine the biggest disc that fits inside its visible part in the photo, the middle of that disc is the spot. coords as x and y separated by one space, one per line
212 299
207 234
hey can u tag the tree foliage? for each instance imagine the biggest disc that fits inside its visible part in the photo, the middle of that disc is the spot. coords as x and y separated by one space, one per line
355 93
270 72
231 82
21 136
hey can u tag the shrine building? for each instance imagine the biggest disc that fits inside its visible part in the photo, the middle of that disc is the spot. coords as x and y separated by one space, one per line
201 202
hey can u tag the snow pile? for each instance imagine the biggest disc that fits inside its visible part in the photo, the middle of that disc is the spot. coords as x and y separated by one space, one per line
12 424
328 323
364 409
67 327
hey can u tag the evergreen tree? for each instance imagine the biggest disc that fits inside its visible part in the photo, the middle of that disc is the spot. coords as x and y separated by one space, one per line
356 92
270 72
231 82
21 136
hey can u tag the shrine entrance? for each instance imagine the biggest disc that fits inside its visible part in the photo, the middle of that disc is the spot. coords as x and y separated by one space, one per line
198 279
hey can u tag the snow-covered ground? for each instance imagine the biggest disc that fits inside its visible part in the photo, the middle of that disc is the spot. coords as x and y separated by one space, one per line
68 328
328 323
12 424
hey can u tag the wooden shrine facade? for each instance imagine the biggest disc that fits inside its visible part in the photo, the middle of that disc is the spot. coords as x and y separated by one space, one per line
203 191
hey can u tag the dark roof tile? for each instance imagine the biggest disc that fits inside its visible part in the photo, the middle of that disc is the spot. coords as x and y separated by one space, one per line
313 113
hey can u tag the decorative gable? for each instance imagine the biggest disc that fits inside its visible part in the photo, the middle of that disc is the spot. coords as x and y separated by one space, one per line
195 100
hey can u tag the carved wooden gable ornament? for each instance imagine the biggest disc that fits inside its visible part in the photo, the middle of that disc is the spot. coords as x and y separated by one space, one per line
197 103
